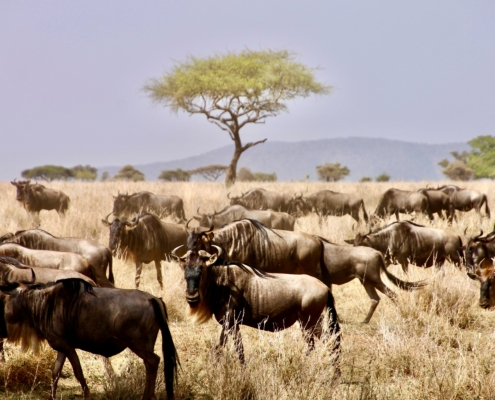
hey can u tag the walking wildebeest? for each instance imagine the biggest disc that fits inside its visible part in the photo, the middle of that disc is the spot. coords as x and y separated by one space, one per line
262 199
269 218
395 201
345 263
326 202
438 202
466 200
241 295
405 241
479 250
96 253
72 315
145 239
125 205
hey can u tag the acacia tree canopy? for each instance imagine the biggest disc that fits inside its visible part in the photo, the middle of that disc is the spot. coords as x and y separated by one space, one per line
332 172
482 158
235 89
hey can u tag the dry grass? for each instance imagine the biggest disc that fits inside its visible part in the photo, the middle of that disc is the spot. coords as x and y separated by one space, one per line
435 343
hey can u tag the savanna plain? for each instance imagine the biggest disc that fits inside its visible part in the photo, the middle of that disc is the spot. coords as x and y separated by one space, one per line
434 343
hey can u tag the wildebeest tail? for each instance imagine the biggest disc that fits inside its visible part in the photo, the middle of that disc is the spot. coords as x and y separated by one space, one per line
400 283
110 269
170 359
365 215
333 323
461 251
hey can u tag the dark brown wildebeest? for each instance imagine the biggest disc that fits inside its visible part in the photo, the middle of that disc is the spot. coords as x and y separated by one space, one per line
96 253
125 205
485 275
395 201
269 218
326 202
345 263
262 199
237 294
466 200
479 250
405 241
145 239
72 315
438 202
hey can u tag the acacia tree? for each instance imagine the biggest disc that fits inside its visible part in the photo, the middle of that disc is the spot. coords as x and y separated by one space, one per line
332 172
234 90
457 170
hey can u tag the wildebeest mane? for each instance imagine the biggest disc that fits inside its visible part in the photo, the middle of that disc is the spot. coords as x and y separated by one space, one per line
249 269
12 261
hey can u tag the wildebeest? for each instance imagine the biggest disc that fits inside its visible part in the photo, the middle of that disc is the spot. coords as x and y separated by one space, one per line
125 205
72 315
407 242
46 259
485 276
479 250
36 197
262 199
327 202
96 253
269 218
144 239
466 200
395 201
345 263
438 202
237 294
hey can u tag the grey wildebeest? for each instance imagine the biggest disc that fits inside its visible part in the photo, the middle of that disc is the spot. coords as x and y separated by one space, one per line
327 202
72 315
479 250
466 200
269 218
262 199
395 201
237 294
145 239
37 239
407 242
125 205
345 263
438 202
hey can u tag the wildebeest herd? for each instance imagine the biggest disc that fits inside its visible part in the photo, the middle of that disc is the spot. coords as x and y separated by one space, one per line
245 265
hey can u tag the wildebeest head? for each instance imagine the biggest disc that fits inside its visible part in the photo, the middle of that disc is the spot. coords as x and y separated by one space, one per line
21 189
204 219
477 252
234 199
199 238
118 228
120 203
195 265
487 290
299 204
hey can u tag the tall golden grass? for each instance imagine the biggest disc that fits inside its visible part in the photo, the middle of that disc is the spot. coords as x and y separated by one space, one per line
435 343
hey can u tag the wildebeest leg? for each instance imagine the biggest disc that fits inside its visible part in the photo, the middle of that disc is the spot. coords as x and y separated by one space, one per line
57 370
375 299
78 373
159 277
2 351
151 361
139 269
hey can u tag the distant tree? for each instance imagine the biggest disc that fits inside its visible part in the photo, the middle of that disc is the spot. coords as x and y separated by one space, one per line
85 172
234 90
332 172
176 175
245 175
129 173
264 177
210 172
105 176
481 159
48 173
457 170
365 179
383 177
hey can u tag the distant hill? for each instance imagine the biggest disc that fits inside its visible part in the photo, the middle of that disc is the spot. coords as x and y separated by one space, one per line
294 160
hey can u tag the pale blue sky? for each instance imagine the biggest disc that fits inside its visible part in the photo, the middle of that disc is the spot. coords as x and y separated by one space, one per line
71 74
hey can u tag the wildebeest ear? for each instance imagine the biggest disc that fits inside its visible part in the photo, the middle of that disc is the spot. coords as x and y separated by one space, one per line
212 260
349 241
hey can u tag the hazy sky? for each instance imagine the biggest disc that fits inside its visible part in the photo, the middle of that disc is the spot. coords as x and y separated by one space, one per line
71 74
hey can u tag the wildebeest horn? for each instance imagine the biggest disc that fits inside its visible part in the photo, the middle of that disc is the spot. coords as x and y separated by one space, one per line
219 250
187 224
176 257
198 211
481 233
228 195
105 221
133 222
202 229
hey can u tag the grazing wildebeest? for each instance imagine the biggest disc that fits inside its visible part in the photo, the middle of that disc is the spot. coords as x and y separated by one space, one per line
96 253
405 241
395 201
125 205
144 239
479 250
237 294
269 218
326 202
438 202
466 200
72 315
262 199
345 263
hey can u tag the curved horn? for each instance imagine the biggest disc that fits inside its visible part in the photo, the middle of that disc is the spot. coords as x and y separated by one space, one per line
202 229
465 231
133 222
187 224
228 195
105 221
197 211
219 250
481 233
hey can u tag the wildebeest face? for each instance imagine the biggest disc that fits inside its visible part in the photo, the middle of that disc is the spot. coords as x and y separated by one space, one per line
195 269
299 204
118 232
21 189
487 290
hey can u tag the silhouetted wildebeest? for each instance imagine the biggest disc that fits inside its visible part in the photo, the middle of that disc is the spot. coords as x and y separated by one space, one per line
407 242
326 202
438 202
479 250
96 253
125 205
36 197
485 276
395 201
466 200
145 239
269 218
345 263
237 294
262 199
72 315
